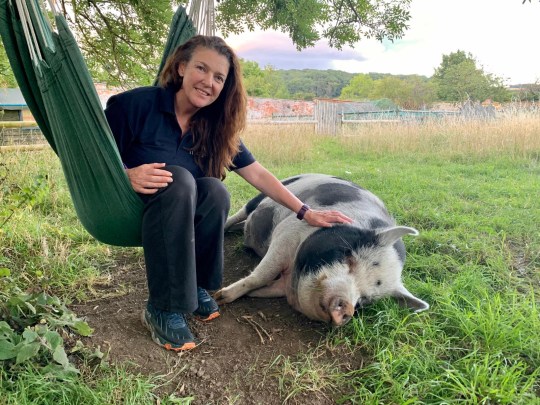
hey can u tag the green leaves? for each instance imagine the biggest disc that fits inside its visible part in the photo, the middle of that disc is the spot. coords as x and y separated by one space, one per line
82 328
265 82
122 41
34 332
7 347
30 309
27 351
307 21
409 92
17 198
28 345
7 78
359 88
351 21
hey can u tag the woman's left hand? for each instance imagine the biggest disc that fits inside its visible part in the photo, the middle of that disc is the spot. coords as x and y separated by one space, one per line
325 219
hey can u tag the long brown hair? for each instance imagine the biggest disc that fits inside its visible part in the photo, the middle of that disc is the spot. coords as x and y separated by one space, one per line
216 128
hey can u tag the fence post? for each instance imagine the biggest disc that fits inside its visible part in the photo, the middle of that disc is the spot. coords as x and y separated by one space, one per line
327 117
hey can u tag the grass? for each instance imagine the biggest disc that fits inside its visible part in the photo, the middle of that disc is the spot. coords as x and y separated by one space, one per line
471 189
102 385
306 374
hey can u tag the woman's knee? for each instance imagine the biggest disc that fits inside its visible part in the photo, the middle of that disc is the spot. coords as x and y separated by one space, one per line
183 183
211 188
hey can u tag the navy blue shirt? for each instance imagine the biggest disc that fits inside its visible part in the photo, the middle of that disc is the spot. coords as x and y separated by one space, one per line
144 125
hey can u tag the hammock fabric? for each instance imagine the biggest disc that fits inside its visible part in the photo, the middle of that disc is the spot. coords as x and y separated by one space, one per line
59 91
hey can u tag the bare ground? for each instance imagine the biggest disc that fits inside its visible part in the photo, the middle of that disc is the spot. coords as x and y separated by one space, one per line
236 360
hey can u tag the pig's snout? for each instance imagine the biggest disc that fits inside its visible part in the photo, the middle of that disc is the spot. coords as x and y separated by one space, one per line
341 311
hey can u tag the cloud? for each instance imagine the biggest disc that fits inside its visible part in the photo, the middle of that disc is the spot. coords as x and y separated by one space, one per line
500 34
276 49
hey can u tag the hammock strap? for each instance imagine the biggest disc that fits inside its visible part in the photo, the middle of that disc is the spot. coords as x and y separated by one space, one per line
28 30
39 23
201 12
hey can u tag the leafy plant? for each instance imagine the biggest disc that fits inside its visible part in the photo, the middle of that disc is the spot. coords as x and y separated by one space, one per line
31 330
27 196
31 343
25 310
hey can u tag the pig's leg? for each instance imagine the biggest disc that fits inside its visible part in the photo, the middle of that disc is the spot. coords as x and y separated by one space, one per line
278 258
236 222
275 289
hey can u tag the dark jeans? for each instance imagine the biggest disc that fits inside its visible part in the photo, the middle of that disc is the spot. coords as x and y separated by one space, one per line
182 233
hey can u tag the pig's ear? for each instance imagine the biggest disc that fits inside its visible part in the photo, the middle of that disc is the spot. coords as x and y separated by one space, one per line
406 299
389 236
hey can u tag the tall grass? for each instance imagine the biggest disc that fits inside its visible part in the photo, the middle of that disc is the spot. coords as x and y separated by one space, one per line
283 143
514 136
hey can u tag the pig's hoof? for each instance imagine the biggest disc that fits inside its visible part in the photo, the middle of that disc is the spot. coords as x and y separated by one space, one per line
222 297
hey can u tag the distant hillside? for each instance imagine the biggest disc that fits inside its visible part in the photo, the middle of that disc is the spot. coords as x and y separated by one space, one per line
311 83
308 84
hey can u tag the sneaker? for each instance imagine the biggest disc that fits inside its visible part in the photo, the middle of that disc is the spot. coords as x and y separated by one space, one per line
169 329
208 308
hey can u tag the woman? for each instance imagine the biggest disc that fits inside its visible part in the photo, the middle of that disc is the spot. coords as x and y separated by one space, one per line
177 142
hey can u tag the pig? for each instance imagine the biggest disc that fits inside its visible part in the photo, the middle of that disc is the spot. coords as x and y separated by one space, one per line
325 273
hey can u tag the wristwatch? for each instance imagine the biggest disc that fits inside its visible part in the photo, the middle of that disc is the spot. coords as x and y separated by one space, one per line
300 215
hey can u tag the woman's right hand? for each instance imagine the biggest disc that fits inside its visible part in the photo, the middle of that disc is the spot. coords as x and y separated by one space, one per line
149 178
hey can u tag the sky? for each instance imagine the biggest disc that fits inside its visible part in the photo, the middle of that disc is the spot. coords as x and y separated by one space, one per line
502 35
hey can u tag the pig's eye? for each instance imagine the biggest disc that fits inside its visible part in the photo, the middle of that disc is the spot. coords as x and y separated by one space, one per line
379 282
375 263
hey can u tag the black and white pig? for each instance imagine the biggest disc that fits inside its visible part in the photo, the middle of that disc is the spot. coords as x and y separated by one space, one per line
324 272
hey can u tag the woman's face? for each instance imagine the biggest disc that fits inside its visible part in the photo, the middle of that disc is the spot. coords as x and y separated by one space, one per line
203 77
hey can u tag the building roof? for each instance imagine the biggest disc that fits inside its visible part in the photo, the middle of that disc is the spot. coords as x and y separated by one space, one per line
12 99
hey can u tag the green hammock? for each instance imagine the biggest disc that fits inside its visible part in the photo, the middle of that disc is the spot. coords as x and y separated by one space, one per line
59 91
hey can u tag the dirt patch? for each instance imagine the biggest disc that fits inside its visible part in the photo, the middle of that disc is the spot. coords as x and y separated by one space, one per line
232 364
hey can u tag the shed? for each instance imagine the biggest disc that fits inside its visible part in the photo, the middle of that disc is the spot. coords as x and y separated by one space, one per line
13 106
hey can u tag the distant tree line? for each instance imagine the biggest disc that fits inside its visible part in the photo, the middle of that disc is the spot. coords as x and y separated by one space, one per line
304 84
409 92
458 78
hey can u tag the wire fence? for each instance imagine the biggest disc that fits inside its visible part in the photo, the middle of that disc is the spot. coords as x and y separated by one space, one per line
18 133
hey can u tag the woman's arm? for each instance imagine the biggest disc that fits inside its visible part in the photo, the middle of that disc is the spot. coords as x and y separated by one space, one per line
264 181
